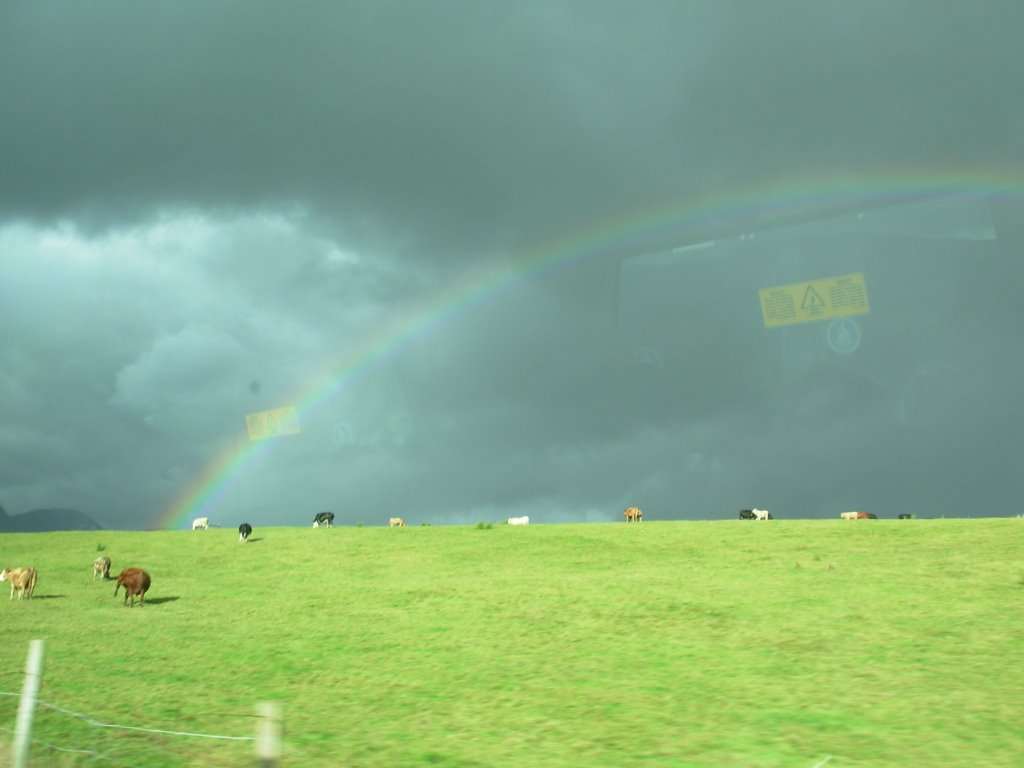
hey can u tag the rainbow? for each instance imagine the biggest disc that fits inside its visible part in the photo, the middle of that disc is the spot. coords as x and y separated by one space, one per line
676 223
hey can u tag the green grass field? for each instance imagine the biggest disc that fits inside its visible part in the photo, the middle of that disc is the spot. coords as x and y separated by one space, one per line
867 643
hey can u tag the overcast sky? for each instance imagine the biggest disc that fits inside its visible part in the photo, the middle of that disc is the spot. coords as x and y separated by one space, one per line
209 210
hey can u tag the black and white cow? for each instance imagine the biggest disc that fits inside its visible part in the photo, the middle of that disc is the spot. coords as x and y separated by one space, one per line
325 519
244 531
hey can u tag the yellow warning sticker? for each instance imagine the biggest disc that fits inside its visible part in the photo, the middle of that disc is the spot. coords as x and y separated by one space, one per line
814 300
274 423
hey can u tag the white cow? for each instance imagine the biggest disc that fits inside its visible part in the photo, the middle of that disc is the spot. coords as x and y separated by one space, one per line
201 522
848 515
524 520
396 522
761 514
101 567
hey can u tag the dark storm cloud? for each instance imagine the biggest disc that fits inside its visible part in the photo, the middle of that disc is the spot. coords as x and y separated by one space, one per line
208 210
463 124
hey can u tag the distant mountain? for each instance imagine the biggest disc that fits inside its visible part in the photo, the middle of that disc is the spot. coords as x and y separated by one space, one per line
40 520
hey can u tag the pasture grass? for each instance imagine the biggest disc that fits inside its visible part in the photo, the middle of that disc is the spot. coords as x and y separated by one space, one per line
879 643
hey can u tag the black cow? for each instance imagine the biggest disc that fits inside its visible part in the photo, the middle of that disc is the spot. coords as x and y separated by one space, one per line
244 531
906 517
323 518
747 514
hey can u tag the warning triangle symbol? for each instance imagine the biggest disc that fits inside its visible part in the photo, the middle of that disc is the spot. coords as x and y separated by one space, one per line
812 299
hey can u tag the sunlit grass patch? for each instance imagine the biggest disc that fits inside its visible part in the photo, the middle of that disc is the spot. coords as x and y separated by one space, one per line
607 644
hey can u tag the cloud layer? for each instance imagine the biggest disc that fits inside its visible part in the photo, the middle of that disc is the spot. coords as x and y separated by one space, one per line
207 211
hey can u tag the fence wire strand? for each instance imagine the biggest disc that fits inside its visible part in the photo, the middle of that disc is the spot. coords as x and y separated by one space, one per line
84 749
96 723
92 721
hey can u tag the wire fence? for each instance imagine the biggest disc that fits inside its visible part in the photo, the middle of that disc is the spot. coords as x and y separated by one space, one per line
97 724
98 743
91 754
63 737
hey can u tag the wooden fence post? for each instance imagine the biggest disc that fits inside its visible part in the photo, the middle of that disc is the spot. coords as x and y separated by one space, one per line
27 705
268 734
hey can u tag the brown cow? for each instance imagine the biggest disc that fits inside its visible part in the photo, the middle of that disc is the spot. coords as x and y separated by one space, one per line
633 515
101 567
22 579
136 582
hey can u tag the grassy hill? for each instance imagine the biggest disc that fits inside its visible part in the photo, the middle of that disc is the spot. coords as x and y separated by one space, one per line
878 643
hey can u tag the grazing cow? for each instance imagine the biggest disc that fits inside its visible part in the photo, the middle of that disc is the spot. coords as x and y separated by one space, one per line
22 579
906 517
633 515
396 522
101 567
761 514
136 582
747 514
201 522
244 532
848 515
325 519
524 520
866 516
